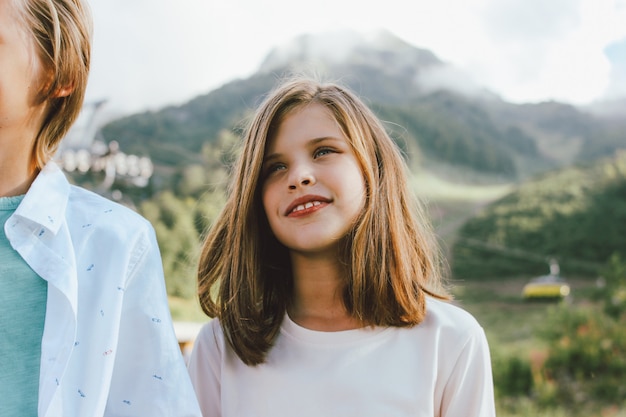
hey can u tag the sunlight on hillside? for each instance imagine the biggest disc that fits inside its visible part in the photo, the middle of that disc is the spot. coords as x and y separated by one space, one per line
434 188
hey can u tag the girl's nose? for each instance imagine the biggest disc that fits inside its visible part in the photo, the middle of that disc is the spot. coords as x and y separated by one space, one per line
302 177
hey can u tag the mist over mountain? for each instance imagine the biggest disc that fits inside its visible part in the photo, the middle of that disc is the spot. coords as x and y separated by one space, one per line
339 54
614 108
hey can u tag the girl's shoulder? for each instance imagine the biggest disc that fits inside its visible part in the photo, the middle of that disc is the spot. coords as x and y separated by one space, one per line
211 334
450 319
209 347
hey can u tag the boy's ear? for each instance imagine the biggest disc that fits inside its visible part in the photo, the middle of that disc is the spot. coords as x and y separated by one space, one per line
63 91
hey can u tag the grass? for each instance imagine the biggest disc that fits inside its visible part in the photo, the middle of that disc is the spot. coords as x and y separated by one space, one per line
508 320
512 324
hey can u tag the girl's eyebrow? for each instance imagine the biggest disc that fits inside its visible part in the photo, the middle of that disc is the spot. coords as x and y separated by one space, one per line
270 158
314 141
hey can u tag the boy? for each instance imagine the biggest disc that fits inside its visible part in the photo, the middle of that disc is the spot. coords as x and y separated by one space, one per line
85 328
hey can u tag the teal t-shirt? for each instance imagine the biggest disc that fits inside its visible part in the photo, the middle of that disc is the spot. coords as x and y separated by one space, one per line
23 297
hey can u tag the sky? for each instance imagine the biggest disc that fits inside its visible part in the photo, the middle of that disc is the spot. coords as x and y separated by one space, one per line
148 54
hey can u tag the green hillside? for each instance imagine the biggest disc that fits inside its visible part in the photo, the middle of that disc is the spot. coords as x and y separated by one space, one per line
510 142
576 215
174 136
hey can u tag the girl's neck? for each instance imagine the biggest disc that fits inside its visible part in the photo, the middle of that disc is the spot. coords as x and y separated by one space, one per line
317 301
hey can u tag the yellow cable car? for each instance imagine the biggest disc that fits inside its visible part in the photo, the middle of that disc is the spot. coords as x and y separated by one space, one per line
546 287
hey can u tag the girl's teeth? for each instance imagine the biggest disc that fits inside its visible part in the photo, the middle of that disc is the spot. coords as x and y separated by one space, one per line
307 206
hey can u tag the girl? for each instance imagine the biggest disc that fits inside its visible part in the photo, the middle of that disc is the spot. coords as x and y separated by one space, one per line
323 276
85 328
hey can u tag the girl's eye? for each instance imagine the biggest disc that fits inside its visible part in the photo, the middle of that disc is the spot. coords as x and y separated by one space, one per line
274 168
322 151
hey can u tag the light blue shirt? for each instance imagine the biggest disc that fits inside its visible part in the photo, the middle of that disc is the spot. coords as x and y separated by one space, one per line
108 346
22 312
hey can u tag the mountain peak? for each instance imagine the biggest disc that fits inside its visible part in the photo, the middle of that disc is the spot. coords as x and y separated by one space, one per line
346 52
341 47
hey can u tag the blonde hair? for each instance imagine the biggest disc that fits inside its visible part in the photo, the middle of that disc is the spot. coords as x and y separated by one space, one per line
244 274
61 31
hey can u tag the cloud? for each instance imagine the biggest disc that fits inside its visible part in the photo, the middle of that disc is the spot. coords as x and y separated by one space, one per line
450 78
145 52
524 21
152 53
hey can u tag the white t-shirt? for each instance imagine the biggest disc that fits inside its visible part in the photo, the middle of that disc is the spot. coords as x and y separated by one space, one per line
440 367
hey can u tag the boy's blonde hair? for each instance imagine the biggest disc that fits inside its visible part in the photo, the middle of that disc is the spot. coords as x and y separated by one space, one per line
244 275
61 32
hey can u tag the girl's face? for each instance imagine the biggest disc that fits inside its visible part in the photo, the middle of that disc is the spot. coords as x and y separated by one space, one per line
21 112
312 185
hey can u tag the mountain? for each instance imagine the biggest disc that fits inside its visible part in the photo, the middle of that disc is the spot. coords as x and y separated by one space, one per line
438 116
378 65
466 145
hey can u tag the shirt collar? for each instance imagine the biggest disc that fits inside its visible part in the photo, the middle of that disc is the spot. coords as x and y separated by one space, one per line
46 200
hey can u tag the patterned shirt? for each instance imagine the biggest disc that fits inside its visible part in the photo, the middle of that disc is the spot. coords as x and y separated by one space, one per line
108 346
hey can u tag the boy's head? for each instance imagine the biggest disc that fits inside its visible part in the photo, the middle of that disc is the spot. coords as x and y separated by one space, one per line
60 31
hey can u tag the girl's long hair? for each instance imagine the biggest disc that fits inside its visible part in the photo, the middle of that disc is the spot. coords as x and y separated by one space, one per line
244 274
